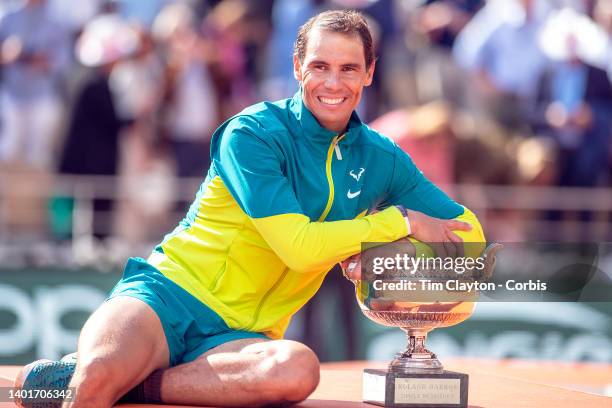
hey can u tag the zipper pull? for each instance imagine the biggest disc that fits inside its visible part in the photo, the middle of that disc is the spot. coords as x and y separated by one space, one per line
337 140
337 149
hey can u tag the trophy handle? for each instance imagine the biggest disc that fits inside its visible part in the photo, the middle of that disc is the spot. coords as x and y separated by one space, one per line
490 260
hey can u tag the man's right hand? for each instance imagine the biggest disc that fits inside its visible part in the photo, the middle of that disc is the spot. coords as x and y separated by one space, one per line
438 233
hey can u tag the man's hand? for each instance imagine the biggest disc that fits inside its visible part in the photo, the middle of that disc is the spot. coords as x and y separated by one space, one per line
438 233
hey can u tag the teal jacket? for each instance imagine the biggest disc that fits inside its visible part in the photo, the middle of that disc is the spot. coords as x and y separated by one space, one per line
283 202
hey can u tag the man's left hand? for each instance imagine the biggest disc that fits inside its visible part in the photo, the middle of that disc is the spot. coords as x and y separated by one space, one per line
438 233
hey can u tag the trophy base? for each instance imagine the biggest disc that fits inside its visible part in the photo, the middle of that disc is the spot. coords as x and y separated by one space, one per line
386 388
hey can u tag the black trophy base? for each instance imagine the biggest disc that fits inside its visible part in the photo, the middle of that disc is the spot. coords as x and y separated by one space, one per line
402 390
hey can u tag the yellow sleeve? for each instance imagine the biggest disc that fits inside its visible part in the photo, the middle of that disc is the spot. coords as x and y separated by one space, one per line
305 246
474 240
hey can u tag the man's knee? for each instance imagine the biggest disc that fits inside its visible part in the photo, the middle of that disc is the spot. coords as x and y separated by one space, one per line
292 372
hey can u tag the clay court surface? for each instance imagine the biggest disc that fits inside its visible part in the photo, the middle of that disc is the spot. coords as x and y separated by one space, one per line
493 383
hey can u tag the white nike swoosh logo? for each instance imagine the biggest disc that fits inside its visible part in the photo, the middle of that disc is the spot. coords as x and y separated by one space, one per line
353 195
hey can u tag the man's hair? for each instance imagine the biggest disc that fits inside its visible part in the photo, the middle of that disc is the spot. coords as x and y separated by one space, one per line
349 22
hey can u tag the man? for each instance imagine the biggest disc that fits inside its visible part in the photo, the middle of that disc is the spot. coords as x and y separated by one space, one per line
490 47
33 52
201 321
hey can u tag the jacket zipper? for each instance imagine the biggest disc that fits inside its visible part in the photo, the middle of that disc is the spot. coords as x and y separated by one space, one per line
333 147
328 171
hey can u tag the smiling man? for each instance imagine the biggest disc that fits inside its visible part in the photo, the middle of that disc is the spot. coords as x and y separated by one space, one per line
201 321
333 67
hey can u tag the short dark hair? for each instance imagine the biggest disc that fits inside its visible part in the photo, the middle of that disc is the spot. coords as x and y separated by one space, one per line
348 22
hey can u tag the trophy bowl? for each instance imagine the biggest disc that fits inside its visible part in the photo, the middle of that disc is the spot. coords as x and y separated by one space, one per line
417 320
399 299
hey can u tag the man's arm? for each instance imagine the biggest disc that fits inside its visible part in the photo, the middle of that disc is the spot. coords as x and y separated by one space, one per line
305 245
434 217
252 171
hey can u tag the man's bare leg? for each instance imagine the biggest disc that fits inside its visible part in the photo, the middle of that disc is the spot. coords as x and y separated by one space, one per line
119 346
248 372
123 342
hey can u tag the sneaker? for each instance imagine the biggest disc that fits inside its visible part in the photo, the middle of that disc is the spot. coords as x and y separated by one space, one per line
70 358
45 374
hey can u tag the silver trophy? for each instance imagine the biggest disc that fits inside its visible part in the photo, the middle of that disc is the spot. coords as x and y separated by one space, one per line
415 377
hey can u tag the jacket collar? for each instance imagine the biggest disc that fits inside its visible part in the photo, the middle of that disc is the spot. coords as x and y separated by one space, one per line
310 127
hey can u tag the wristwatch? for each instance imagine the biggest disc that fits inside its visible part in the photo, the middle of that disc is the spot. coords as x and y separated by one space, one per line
404 212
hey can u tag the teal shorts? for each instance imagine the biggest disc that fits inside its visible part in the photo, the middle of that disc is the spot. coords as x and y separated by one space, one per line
191 327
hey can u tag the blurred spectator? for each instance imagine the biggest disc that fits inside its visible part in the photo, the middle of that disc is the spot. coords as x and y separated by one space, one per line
591 42
74 14
142 12
602 13
500 47
190 99
384 26
439 22
287 17
146 173
137 82
577 100
236 32
449 148
425 134
91 144
34 51
443 20
145 12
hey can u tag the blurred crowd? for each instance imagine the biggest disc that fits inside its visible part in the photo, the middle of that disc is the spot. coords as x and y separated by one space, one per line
503 92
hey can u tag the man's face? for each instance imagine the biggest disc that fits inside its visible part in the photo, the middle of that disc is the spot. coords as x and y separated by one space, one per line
332 76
